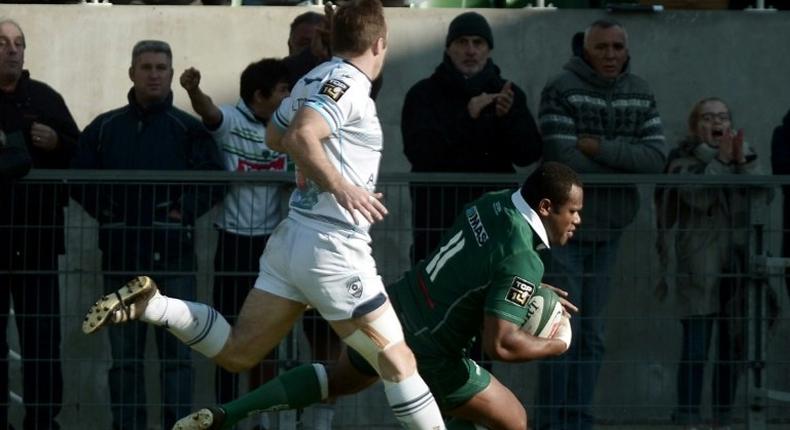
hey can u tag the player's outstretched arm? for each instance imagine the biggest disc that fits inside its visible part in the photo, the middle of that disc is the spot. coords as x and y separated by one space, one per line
505 341
201 102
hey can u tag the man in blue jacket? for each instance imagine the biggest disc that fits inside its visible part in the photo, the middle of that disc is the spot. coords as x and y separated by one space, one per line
147 227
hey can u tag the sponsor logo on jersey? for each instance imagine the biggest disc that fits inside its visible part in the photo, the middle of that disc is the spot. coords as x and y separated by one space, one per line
481 235
334 89
278 164
354 286
520 291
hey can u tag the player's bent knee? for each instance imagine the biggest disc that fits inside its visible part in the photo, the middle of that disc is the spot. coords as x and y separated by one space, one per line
397 362
381 343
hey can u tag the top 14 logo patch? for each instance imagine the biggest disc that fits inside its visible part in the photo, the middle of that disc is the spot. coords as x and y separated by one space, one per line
520 291
334 88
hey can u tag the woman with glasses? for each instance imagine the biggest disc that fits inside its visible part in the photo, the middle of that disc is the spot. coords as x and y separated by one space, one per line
710 245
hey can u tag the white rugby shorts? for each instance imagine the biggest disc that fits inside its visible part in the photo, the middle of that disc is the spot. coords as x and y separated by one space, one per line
332 271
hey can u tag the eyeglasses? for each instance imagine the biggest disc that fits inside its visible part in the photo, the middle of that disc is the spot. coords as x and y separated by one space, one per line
709 117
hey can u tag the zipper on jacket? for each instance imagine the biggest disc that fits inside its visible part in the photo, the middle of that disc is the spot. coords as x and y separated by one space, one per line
609 130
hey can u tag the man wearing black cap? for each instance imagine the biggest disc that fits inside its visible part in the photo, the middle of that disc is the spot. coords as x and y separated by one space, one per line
465 118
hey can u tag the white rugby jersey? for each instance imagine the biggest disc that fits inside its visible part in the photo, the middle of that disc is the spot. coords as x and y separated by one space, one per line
340 92
248 210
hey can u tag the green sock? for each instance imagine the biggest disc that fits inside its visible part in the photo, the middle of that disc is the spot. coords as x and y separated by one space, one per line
294 389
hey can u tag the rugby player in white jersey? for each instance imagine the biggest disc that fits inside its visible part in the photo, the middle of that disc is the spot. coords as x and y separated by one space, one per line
320 255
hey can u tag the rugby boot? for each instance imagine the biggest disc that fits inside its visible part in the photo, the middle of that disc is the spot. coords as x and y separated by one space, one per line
204 419
126 304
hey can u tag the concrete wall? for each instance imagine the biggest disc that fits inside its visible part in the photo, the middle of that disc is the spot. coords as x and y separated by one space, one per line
84 52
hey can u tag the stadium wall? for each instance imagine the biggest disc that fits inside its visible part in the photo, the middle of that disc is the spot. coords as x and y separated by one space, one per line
83 51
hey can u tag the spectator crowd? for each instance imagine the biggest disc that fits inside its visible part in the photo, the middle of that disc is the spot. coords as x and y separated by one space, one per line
595 115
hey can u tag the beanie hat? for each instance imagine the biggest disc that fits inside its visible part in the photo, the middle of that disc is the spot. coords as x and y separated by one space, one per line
470 24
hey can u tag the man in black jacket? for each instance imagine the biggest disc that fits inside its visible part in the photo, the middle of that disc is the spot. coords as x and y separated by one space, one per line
31 232
148 227
465 118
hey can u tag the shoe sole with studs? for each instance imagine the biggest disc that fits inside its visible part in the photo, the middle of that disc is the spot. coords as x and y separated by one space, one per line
99 314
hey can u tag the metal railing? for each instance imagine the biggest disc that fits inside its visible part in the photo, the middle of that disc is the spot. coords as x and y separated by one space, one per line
643 334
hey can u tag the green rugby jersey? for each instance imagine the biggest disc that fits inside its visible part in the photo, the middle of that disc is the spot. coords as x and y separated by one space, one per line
487 263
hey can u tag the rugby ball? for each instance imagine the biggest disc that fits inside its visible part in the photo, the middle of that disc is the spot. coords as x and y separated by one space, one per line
544 313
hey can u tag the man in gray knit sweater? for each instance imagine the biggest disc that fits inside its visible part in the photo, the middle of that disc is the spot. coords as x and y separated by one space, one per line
596 117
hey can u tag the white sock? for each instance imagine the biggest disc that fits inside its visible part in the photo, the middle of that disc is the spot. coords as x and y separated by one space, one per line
199 326
413 404
323 382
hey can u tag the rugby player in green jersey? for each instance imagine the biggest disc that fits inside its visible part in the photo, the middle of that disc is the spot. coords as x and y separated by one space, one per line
478 282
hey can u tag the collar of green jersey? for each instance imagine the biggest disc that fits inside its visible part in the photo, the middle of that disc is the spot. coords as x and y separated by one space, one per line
530 216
